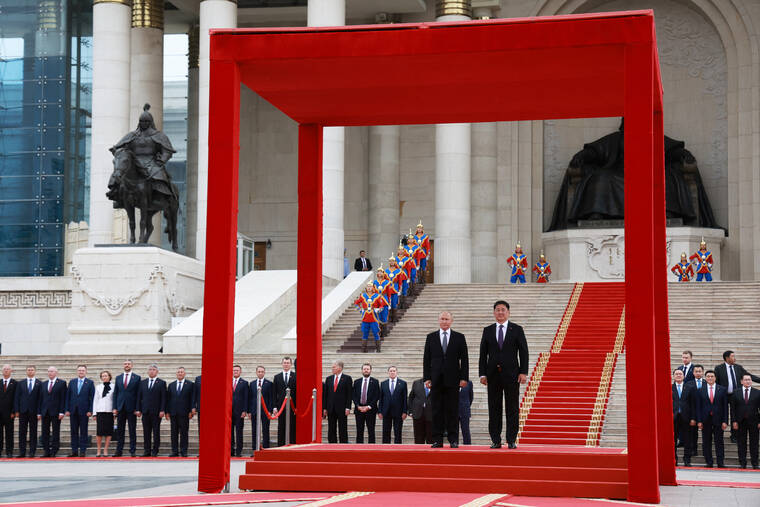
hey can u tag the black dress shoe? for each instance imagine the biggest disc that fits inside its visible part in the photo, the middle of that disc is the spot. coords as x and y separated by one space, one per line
117 455
454 445
153 454
146 455
133 454
47 455
720 465
512 445
174 455
9 455
73 455
436 445
708 465
184 455
496 445
21 456
687 464
743 466
756 467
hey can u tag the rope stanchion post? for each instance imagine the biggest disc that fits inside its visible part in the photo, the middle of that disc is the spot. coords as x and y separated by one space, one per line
287 416
258 418
313 415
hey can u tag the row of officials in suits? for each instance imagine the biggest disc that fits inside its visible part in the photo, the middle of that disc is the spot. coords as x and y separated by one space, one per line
713 401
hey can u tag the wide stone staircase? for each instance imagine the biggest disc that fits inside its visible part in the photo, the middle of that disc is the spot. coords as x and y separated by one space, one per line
707 319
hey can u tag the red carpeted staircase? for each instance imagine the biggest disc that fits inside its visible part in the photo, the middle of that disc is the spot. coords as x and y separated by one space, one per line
528 470
568 391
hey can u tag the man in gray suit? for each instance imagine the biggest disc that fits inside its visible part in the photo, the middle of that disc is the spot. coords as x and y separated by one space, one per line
421 411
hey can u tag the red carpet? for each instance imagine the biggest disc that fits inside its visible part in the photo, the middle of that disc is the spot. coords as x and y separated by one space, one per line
570 384
528 470
399 498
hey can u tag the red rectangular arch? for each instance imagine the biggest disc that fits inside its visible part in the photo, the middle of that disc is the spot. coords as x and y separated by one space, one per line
576 66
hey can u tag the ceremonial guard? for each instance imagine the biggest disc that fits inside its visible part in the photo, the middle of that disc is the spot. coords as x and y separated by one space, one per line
704 260
383 287
423 241
683 269
542 269
518 261
396 277
370 303
405 263
414 252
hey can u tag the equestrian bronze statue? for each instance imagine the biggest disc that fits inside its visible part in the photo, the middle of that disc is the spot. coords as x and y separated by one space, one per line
140 180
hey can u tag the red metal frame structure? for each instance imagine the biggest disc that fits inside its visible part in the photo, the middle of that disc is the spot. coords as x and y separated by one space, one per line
598 65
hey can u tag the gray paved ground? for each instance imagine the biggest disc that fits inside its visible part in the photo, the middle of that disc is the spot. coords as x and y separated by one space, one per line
24 481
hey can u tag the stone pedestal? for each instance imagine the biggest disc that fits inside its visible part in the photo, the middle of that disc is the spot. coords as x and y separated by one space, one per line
124 298
598 255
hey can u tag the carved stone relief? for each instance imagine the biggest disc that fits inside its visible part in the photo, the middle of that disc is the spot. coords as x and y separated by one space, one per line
606 256
12 300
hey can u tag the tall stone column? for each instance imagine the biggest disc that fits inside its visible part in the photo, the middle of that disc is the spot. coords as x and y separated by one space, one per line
453 240
111 24
384 196
483 192
147 50
331 13
213 14
191 221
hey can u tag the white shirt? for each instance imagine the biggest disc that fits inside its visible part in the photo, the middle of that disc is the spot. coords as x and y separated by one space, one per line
687 367
101 404
6 381
392 384
448 336
336 380
731 386
30 383
506 322
126 377
259 383
179 385
286 377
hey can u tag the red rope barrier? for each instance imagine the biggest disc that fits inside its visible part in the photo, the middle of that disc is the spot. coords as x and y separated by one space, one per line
270 416
311 402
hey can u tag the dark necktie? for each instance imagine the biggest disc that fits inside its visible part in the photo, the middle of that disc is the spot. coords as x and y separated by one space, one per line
259 383
393 385
5 385
50 386
179 387
363 401
151 385
501 336
733 378
746 395
445 343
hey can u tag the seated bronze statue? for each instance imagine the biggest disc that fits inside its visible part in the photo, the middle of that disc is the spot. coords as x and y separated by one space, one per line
592 188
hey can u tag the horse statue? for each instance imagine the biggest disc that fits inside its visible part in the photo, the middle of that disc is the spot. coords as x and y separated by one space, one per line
140 180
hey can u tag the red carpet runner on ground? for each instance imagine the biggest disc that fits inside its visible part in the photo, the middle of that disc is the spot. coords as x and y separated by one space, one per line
566 398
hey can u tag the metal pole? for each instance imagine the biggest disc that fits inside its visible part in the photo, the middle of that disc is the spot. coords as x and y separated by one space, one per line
258 418
313 415
287 416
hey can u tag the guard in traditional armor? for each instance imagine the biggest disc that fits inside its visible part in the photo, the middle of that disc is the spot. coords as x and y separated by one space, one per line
396 276
423 241
518 261
369 305
414 253
542 269
683 269
704 261
405 263
382 286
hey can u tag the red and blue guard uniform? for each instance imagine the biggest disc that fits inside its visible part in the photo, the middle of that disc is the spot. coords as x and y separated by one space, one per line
384 288
405 263
423 241
369 307
519 264
413 251
542 270
396 277
704 261
683 271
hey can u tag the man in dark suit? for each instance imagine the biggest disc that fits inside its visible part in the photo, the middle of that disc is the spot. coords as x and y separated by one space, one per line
179 410
336 403
745 405
51 410
267 397
366 394
362 263
421 411
25 405
502 367
239 407
445 367
729 375
7 410
151 407
712 417
697 384
392 406
284 380
125 391
79 409
683 413
465 402
687 367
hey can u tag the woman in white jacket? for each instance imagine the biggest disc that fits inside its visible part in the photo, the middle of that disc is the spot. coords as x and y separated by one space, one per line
102 410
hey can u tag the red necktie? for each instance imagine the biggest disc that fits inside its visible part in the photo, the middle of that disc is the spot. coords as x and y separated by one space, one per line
746 395
335 384
234 384
711 394
50 386
125 381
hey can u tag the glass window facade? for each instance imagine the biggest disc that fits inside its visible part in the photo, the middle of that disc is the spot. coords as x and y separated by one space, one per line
45 77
